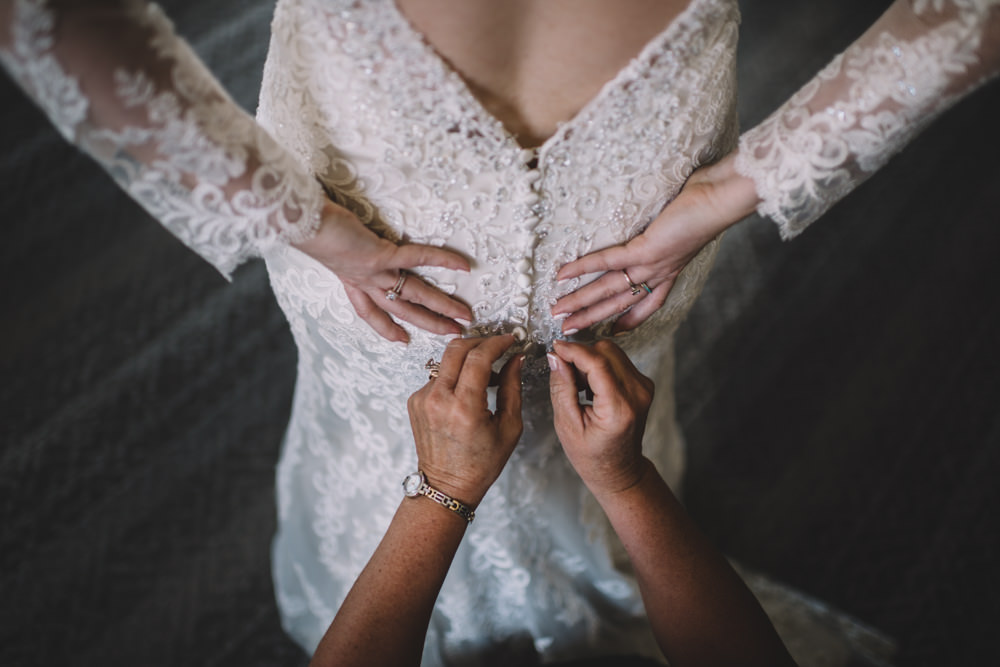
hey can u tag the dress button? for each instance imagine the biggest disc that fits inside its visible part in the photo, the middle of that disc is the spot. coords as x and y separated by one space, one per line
523 280
521 300
523 266
520 334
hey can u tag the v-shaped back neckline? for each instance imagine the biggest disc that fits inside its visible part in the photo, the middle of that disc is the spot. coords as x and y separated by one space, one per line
672 34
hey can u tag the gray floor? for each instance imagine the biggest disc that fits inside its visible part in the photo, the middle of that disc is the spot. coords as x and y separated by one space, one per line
839 393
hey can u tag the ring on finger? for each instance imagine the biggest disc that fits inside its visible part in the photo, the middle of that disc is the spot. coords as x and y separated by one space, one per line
397 289
644 286
433 369
633 287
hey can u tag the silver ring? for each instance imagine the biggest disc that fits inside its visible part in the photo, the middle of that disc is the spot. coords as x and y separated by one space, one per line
397 289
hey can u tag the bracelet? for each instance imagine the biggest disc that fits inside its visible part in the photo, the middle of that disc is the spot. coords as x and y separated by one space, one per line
415 484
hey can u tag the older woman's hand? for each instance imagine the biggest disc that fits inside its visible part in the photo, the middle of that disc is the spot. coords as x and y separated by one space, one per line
370 266
603 441
713 199
462 447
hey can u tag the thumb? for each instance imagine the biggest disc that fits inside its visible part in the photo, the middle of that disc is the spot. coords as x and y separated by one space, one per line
562 389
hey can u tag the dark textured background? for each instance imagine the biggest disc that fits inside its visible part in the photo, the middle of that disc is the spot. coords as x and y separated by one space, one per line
839 393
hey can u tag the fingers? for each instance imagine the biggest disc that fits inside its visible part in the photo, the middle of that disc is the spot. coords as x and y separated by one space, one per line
468 363
412 255
479 360
610 295
376 318
595 367
601 311
452 361
615 257
609 285
417 291
563 391
419 304
509 398
421 317
642 310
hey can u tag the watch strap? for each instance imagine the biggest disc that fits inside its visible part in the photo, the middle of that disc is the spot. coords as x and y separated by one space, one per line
415 484
443 499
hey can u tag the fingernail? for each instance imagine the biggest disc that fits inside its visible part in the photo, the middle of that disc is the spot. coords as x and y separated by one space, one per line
559 317
619 334
553 361
463 322
571 332
450 337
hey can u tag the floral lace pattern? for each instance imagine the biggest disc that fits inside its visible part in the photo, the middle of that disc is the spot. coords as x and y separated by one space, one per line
162 127
866 106
355 97
363 100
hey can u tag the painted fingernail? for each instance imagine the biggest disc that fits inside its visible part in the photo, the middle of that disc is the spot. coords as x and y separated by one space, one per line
619 334
559 317
463 322
553 361
450 337
570 332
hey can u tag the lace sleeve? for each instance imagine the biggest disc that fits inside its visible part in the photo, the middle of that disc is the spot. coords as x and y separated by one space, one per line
915 62
115 79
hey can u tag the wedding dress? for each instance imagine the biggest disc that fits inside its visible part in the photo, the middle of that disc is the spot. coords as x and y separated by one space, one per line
356 103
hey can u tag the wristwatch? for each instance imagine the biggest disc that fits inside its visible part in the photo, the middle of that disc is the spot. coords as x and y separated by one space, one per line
415 484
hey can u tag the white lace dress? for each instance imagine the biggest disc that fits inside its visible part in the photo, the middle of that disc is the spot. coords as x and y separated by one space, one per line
355 99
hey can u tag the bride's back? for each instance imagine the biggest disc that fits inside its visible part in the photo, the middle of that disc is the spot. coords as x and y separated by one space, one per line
534 63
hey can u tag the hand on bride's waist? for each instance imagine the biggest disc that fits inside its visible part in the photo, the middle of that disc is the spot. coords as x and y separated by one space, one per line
640 273
371 268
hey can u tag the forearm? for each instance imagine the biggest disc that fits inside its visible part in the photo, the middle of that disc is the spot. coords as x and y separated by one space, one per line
383 620
916 61
700 610
116 80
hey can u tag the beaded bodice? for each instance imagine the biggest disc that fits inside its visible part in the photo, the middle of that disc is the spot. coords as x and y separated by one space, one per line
387 125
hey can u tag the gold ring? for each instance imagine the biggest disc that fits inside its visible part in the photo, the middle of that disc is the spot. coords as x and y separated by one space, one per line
635 289
434 368
394 293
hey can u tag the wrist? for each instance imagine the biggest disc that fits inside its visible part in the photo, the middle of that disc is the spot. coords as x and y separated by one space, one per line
630 477
464 483
467 493
733 195
417 484
328 215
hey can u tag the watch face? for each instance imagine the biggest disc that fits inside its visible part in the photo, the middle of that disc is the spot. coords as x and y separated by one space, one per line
411 484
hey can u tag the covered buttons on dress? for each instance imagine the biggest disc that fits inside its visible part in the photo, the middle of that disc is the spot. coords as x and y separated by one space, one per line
532 211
